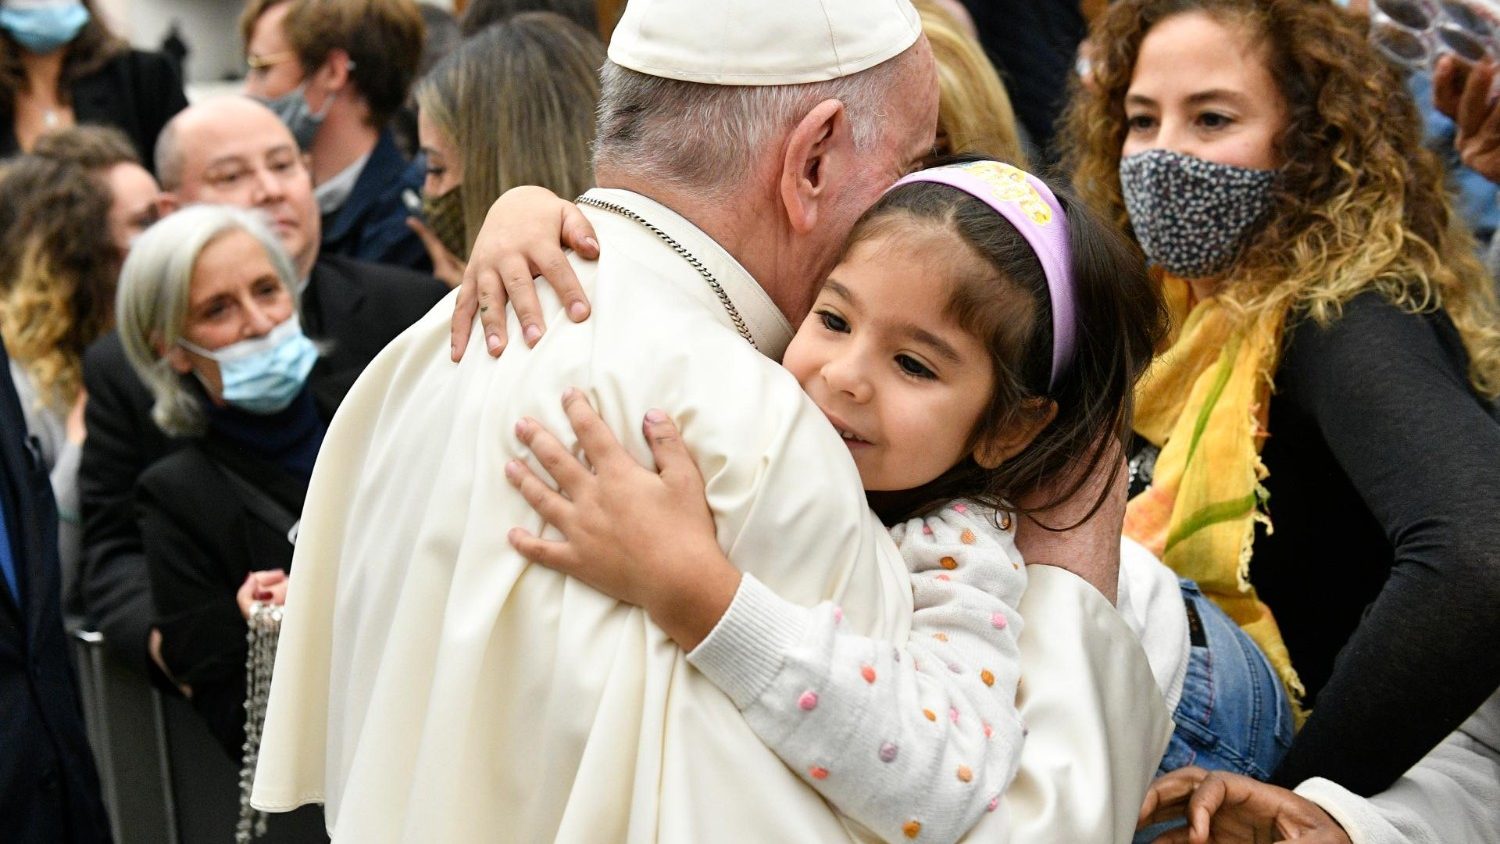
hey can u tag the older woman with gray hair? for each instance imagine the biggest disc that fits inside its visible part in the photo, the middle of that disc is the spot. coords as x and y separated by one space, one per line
208 317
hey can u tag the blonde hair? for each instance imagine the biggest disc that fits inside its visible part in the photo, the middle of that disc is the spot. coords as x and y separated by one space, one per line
517 101
57 271
1359 204
974 111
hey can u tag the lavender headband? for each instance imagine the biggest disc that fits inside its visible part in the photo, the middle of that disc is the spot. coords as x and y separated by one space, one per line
1030 206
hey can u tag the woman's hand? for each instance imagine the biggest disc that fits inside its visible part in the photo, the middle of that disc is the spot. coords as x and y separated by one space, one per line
1090 550
446 266
641 536
520 240
266 587
1464 93
1224 807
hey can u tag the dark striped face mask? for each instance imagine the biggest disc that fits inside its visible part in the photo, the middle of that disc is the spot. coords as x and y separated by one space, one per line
1192 217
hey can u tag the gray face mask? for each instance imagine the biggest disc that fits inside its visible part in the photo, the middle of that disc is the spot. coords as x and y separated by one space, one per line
1192 217
299 118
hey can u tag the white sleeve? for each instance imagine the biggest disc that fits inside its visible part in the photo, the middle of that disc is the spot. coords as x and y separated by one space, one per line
1452 794
903 740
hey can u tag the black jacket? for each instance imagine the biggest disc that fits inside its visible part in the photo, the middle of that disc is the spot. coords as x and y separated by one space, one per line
201 538
359 307
49 790
136 92
371 224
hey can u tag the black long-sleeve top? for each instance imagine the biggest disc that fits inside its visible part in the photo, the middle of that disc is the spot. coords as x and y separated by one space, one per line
1383 569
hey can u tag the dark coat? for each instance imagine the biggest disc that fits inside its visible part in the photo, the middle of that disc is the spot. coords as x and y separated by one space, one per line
371 224
136 92
200 540
49 790
359 307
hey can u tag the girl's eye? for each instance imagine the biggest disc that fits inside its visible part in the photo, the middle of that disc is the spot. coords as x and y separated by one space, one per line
913 367
833 322
436 172
1140 122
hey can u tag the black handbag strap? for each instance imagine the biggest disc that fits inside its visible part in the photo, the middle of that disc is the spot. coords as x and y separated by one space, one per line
261 505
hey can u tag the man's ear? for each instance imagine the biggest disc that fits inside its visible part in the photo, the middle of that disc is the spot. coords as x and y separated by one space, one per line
335 70
1001 446
167 202
805 164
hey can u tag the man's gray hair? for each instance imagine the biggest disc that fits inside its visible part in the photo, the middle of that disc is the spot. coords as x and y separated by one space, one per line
708 137
167 156
152 301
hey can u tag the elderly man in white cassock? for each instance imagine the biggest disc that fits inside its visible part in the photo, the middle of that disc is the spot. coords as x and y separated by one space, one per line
431 686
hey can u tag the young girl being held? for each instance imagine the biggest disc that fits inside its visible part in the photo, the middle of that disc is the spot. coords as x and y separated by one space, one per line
948 350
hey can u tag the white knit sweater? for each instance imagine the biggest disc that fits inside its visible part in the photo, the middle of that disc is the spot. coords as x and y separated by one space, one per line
913 742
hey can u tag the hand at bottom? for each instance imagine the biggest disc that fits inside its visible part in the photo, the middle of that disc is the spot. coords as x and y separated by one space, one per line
1224 807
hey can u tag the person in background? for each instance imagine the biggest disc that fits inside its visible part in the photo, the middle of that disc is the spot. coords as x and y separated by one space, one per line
209 321
60 66
335 72
49 789
441 37
514 105
1034 46
974 112
1333 369
230 151
58 265
484 13
135 197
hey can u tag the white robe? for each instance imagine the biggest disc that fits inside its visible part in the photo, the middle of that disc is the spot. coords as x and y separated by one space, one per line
433 686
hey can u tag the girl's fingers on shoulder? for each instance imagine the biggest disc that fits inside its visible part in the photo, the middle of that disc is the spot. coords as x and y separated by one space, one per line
567 470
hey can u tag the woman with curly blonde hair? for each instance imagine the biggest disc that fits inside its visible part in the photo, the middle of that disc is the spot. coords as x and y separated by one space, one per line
1332 366
58 265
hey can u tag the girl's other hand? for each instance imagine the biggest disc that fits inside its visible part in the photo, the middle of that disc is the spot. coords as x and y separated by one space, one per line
1231 808
642 536
446 267
523 236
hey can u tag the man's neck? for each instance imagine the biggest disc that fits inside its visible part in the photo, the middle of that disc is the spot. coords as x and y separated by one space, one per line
340 143
746 230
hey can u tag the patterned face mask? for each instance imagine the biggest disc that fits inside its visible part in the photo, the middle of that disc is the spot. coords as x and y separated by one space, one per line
1192 216
444 214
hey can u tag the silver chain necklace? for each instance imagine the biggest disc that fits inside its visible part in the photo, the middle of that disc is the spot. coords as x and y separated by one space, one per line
713 283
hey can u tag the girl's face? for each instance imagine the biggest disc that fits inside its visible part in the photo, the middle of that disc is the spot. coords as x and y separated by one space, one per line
1204 89
893 372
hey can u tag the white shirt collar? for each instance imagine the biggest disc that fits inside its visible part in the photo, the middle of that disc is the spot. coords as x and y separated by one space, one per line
332 194
768 326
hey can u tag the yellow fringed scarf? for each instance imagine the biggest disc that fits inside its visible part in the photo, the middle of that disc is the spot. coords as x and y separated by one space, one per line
1204 402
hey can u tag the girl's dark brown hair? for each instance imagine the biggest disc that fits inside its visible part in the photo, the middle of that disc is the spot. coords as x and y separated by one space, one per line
1000 296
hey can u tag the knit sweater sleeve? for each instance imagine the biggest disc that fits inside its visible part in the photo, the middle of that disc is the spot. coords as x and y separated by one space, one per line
907 739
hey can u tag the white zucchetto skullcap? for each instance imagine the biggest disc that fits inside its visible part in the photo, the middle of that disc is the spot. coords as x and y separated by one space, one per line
761 42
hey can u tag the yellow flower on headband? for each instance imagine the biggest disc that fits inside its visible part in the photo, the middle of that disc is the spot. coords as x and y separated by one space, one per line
1009 184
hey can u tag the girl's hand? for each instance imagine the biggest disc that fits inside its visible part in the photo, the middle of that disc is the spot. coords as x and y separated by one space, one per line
519 241
641 536
1224 807
446 267
267 587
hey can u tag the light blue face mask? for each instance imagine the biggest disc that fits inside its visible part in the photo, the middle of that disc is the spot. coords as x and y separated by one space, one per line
263 374
42 28
298 116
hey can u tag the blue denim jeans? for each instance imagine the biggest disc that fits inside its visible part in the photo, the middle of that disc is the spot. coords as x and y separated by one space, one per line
1234 714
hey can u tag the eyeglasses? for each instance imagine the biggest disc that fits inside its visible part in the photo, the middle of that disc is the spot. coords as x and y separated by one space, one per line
262 62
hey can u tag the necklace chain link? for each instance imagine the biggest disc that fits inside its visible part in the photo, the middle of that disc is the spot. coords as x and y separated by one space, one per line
713 283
